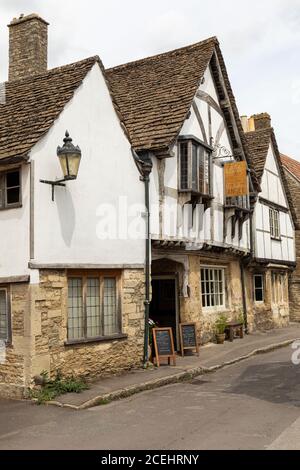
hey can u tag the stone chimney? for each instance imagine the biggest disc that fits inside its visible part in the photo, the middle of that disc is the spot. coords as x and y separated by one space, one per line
28 46
256 122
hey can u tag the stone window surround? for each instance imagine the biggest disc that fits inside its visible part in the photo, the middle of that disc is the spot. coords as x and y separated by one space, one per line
101 274
224 306
263 288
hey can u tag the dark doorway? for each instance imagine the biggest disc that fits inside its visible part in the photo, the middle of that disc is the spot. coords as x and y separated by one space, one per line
163 307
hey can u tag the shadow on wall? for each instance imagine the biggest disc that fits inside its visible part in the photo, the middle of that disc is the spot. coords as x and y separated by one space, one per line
66 214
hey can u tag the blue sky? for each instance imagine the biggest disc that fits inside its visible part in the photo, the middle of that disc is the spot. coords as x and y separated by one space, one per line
260 42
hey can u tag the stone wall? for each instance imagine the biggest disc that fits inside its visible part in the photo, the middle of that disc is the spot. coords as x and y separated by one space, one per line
266 315
39 333
90 359
294 284
14 371
191 306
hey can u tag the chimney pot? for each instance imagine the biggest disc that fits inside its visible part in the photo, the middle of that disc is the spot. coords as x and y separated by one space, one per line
28 46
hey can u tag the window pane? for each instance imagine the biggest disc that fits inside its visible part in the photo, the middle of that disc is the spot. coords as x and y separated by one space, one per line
212 286
194 167
13 196
12 179
258 282
183 148
111 325
93 308
75 309
3 315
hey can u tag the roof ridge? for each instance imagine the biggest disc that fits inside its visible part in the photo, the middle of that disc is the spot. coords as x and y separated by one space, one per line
212 39
92 59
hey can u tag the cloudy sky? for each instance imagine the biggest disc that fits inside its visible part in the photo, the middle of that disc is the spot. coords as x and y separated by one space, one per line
260 41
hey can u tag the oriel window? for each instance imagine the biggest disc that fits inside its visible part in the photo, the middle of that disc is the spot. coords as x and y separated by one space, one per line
194 167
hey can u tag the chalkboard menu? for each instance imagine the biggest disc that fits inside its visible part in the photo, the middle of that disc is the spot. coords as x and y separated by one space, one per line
188 337
163 345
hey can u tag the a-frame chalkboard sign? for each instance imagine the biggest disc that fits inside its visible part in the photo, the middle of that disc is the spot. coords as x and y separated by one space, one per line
163 345
188 337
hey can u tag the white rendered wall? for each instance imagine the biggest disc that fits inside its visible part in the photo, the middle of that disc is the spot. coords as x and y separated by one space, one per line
208 227
69 230
14 233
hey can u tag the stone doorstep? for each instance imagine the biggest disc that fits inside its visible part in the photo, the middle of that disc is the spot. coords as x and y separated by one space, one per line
182 376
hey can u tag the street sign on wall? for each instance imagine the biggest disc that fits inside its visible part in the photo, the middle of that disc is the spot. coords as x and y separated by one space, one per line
236 181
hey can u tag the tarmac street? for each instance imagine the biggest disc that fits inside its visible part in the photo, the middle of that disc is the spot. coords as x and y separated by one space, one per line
254 404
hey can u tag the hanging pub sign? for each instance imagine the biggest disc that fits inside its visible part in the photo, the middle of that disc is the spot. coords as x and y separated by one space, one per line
188 337
163 345
236 180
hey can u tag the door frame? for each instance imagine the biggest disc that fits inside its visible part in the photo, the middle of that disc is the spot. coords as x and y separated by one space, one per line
172 277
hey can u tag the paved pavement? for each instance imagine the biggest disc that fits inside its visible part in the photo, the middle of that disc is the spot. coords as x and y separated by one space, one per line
254 404
211 356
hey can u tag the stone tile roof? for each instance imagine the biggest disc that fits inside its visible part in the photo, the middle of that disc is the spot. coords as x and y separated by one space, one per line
32 105
293 166
258 144
155 94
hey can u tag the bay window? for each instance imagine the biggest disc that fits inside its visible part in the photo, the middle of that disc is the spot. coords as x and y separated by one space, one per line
194 167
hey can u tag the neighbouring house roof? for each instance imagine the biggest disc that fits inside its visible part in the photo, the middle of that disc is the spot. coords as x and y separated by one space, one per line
32 105
258 144
293 166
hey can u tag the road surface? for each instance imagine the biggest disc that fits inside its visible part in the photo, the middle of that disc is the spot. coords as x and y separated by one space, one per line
252 405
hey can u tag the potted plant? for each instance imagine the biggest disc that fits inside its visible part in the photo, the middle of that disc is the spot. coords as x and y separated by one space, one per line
220 329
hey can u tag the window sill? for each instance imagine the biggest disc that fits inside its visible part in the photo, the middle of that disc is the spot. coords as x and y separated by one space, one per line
99 339
275 239
10 207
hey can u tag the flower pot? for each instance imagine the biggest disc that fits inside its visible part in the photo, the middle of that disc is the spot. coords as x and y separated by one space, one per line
220 338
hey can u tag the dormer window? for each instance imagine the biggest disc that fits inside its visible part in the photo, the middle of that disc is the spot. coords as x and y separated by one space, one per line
194 167
10 189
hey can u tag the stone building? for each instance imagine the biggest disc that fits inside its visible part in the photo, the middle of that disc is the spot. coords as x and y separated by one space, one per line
74 284
274 220
70 299
292 174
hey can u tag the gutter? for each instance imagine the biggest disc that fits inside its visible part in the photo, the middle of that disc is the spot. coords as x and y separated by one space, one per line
144 164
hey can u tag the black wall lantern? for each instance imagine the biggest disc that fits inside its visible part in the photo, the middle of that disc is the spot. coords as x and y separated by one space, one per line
69 158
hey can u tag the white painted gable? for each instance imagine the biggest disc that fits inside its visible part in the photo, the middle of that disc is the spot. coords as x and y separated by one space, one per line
84 224
272 186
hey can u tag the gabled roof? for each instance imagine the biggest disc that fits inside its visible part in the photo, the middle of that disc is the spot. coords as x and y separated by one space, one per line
32 105
258 143
293 166
155 94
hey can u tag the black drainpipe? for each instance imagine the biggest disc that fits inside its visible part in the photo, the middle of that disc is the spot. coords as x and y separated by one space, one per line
144 164
244 296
